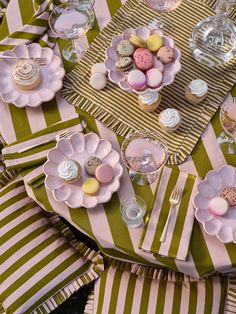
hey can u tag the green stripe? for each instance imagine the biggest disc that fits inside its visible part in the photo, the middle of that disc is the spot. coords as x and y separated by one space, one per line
224 291
93 32
21 125
51 112
102 287
26 15
12 200
201 159
11 187
161 297
177 297
115 291
113 6
192 306
181 215
208 296
130 293
145 295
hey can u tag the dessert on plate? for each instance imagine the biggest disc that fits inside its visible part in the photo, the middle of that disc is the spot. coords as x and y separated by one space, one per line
169 120
26 74
69 170
196 91
229 194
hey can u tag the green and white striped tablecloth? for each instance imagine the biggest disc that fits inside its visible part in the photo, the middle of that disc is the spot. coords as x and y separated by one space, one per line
207 254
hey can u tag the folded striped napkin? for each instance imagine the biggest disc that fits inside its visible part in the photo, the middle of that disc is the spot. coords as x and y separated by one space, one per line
44 139
180 226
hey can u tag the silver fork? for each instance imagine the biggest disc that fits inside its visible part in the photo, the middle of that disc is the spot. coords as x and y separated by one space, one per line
174 200
64 134
39 60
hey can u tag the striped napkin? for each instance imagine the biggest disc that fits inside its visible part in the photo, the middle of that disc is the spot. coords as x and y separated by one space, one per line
44 139
180 226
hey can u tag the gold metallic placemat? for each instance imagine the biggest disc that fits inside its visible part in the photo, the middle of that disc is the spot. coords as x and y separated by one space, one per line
119 110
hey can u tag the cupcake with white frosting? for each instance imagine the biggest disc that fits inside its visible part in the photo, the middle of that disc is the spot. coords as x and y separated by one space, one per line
169 120
69 171
196 91
149 101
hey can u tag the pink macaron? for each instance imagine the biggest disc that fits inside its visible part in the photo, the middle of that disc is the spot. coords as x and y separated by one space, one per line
104 173
154 78
218 206
143 59
137 79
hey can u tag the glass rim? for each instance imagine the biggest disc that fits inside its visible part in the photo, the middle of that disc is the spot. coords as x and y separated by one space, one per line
63 5
159 138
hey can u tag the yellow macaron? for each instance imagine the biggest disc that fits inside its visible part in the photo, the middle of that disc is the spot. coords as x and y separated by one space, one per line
154 42
137 41
90 186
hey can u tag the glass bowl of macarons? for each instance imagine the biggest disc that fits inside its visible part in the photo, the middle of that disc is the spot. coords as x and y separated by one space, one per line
83 170
143 61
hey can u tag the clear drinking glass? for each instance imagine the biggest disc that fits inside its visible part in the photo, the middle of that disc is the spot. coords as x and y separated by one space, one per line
161 7
213 40
68 22
144 153
227 138
133 211
87 6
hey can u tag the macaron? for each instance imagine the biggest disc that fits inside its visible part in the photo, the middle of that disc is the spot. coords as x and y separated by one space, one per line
137 79
165 54
91 164
124 64
154 78
158 65
125 48
137 41
219 206
99 68
98 81
90 186
143 59
154 42
104 173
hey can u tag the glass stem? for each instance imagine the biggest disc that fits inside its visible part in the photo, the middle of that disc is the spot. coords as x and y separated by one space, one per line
73 45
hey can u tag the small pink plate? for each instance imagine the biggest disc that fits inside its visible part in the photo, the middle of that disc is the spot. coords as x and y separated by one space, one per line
224 227
79 147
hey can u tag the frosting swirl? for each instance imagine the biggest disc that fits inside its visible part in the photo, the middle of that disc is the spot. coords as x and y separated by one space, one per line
170 117
198 87
25 71
149 98
68 170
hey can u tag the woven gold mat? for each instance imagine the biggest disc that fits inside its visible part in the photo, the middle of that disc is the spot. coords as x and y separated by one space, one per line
120 111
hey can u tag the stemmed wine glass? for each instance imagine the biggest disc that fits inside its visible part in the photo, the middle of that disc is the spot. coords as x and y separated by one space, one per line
69 22
227 138
162 6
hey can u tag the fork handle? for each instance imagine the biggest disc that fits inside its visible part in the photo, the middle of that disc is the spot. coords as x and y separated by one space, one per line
163 235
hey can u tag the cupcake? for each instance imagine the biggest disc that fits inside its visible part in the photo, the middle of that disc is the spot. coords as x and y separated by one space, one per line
26 74
69 170
149 101
196 91
169 120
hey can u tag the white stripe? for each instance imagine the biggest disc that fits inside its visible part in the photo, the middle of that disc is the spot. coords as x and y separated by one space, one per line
14 207
14 41
107 291
6 126
169 297
156 209
138 290
187 267
36 118
164 248
102 13
121 297
213 150
216 295
188 166
185 298
34 29
201 297
14 21
9 195
152 302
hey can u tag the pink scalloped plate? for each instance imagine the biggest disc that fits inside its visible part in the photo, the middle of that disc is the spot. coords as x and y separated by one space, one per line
79 147
52 76
224 227
170 70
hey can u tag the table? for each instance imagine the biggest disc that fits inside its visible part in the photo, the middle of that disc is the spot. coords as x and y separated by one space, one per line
104 225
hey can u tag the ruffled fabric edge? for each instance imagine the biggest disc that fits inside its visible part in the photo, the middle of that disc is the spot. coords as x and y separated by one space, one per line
230 302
